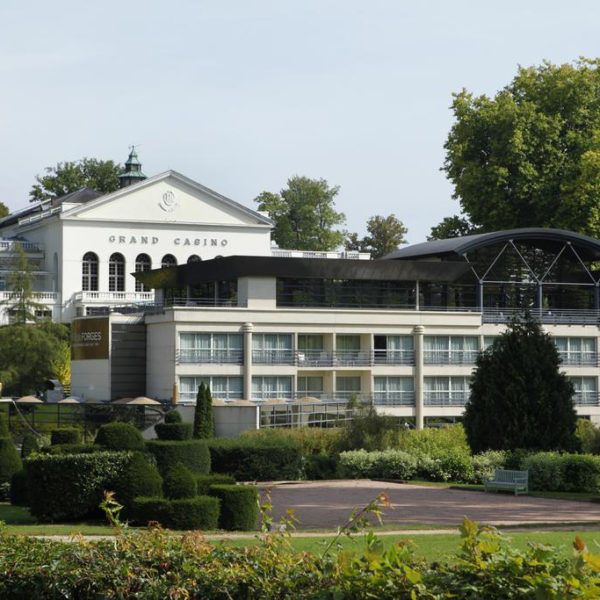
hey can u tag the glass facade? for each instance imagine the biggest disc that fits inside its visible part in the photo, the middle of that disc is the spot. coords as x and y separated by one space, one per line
225 348
223 388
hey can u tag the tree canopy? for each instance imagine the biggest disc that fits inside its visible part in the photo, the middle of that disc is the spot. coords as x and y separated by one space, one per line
67 177
385 234
451 227
304 214
3 210
530 156
519 397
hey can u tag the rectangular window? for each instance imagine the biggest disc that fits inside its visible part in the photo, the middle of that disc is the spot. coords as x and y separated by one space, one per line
488 341
394 349
395 391
272 349
445 391
310 386
586 390
223 388
577 351
311 352
269 388
450 350
222 348
347 387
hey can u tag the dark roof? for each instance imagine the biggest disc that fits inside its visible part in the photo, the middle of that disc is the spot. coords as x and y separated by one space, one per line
232 267
460 245
77 197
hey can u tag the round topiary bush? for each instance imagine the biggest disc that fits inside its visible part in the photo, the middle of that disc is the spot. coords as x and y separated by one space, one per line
174 431
10 462
139 478
179 482
193 454
239 506
120 436
65 435
173 416
30 444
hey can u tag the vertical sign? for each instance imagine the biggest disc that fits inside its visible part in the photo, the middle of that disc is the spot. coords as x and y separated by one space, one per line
89 338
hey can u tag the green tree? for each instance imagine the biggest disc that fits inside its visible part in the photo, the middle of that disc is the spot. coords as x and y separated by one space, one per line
530 156
304 214
451 227
67 177
3 210
519 397
204 426
385 234
27 355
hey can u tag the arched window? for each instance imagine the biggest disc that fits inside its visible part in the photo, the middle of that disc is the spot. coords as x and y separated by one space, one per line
89 272
194 258
142 263
116 273
168 260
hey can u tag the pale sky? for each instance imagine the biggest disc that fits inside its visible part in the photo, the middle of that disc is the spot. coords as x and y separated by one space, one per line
242 94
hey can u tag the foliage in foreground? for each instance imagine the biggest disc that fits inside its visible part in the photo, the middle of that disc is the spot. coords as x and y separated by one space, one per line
155 565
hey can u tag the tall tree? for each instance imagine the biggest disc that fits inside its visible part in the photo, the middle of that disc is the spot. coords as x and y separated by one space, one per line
204 425
451 227
519 397
385 234
67 177
530 156
304 214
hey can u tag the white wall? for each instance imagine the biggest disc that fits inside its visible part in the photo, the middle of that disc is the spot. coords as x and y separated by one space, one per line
91 379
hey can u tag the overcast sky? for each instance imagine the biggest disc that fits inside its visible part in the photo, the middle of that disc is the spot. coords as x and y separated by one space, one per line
242 94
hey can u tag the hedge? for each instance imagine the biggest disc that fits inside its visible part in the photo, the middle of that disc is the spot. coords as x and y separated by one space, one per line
10 461
70 487
179 483
553 472
4 430
73 449
203 482
250 460
239 506
174 431
193 454
65 435
30 444
199 512
318 466
139 477
19 495
386 464
120 436
173 416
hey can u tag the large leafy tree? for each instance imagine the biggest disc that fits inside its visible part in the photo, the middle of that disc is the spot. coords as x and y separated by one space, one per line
67 177
451 227
519 397
3 210
385 234
304 214
530 156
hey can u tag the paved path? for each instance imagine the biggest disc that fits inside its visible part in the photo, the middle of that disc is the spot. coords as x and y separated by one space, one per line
328 504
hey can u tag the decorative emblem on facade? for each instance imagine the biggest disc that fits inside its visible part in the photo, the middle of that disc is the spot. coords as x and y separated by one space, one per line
168 202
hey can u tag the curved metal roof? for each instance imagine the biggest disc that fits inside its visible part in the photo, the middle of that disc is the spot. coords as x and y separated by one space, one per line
460 245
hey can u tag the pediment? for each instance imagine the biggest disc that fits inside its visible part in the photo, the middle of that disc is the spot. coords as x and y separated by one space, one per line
167 198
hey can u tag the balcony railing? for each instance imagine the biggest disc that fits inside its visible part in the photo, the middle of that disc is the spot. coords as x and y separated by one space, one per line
445 398
211 356
559 316
9 246
394 357
579 359
450 357
96 297
394 398
349 254
586 398
274 357
43 297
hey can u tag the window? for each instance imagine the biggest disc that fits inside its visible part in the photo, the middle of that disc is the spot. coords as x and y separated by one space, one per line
268 388
194 258
347 387
348 351
311 351
168 260
310 386
116 273
272 349
142 263
223 348
223 388
89 272
445 391
395 391
394 349
488 341
586 390
576 351
450 350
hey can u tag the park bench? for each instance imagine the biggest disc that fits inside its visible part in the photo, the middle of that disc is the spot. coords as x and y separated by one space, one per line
504 479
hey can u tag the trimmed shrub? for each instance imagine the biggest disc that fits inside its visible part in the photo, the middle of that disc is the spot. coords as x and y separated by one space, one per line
70 487
204 426
179 483
433 441
319 466
65 435
239 506
173 416
4 429
200 512
73 449
486 463
139 477
386 464
120 436
174 431
30 444
312 440
19 496
10 462
250 460
553 472
203 482
515 458
545 471
193 454
447 466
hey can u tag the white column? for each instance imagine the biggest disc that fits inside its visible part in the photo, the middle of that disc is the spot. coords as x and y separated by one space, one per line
418 343
247 383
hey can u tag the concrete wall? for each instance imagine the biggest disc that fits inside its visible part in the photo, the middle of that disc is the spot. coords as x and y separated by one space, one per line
230 421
